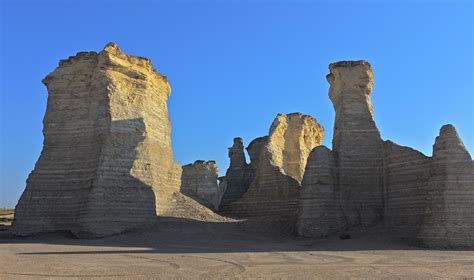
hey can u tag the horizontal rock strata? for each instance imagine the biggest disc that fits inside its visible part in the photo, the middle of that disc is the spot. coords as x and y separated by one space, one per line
200 181
107 144
365 181
238 177
319 210
273 194
406 172
449 214
357 146
106 164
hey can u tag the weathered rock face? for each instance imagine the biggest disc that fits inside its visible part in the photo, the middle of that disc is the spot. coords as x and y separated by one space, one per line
291 139
357 146
449 214
319 209
273 193
365 181
237 178
240 175
254 149
406 172
106 150
200 181
107 164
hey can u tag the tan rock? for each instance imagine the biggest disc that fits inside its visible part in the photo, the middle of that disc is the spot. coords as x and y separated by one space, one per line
357 146
238 176
254 149
449 212
200 181
273 194
364 181
406 172
319 209
107 164
291 139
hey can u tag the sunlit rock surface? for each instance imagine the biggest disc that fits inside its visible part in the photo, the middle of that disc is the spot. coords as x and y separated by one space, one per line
273 194
200 181
106 164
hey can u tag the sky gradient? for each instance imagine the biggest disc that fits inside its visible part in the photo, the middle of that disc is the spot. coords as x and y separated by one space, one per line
234 65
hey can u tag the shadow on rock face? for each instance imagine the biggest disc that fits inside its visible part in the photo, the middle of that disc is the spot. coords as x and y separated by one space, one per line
91 199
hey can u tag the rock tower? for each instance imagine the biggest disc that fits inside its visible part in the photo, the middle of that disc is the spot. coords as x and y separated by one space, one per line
106 164
273 193
199 180
449 214
365 181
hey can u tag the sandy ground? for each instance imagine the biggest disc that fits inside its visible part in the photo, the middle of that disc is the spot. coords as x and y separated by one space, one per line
185 249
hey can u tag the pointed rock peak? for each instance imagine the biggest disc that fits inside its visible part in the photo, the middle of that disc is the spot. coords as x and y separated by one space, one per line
236 153
448 129
238 141
448 143
321 150
111 46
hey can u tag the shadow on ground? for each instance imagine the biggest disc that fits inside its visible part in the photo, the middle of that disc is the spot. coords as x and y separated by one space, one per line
176 235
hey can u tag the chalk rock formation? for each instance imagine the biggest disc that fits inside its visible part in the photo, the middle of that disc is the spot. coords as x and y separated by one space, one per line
320 213
254 149
240 175
406 172
291 139
200 181
365 181
237 178
106 164
274 191
357 146
449 214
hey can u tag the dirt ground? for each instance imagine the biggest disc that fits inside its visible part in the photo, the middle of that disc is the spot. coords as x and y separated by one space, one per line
186 249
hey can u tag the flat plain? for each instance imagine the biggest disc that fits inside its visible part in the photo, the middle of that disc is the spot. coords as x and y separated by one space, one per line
187 249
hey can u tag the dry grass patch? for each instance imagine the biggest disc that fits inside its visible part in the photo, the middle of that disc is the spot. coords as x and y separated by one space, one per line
5 211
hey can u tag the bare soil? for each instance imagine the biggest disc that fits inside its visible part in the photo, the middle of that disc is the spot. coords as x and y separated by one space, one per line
186 249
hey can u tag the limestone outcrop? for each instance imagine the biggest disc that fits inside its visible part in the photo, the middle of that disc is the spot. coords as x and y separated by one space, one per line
320 213
106 164
273 194
449 213
254 149
357 146
365 181
238 176
406 172
200 181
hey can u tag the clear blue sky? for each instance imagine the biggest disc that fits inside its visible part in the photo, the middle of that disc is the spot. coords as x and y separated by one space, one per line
233 65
